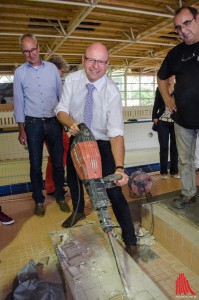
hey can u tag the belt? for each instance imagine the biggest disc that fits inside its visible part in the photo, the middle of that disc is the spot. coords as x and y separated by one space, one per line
165 119
42 119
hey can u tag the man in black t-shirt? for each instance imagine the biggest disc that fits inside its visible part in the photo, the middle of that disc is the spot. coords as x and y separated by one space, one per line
183 62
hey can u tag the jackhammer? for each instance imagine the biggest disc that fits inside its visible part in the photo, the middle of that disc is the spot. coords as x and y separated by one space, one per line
87 161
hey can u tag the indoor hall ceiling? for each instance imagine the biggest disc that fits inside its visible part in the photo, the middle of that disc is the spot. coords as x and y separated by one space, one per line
138 33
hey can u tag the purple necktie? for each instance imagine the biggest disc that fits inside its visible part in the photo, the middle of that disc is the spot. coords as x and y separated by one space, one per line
88 108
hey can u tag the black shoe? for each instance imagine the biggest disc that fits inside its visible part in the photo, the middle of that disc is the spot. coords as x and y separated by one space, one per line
4 219
73 219
182 201
63 206
51 194
39 209
133 251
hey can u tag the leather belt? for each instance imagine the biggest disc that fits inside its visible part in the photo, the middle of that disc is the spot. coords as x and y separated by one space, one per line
42 119
166 119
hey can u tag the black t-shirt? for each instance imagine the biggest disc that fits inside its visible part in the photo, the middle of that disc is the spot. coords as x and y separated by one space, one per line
183 62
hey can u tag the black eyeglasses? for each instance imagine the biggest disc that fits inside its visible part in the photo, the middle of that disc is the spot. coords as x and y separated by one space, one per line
27 52
188 58
185 24
194 54
92 61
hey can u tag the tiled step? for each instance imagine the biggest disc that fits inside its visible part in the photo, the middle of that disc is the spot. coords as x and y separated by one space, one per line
177 234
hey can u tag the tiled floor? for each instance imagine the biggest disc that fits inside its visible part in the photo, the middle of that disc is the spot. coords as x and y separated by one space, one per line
28 239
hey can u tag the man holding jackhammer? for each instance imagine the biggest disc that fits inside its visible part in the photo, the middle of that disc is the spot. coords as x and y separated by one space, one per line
90 97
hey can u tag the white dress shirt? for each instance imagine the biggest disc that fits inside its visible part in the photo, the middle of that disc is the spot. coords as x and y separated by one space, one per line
107 104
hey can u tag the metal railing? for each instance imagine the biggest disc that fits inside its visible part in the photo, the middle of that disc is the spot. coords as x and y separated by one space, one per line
132 112
7 120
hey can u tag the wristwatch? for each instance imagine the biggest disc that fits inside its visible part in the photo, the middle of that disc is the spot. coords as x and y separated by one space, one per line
119 167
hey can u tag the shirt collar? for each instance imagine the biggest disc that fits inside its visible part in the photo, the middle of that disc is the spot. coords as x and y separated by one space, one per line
30 65
97 84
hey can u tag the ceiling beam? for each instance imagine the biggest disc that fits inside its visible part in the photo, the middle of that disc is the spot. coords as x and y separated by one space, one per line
105 7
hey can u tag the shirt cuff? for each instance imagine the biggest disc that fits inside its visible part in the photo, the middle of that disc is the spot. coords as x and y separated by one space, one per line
115 132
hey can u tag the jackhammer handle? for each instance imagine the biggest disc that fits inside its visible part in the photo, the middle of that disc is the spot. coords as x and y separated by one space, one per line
112 177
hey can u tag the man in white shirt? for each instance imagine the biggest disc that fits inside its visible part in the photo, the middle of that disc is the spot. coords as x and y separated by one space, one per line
108 129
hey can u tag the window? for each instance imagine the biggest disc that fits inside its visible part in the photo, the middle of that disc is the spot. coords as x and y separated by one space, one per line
6 79
136 90
6 89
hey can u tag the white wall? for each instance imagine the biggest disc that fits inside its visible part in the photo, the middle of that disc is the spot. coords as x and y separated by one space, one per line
10 148
139 135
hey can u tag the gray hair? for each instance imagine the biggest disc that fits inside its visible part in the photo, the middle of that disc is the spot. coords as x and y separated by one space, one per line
59 62
27 35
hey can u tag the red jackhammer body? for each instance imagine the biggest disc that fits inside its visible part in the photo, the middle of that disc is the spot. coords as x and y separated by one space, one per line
87 161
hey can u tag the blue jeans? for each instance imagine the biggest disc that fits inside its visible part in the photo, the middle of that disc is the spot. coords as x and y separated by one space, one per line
119 204
186 144
38 131
165 133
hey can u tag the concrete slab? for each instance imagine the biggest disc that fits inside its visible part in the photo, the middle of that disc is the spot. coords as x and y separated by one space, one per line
90 269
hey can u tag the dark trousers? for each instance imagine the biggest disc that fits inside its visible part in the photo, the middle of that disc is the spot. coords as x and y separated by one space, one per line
116 197
166 131
38 131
